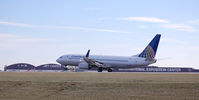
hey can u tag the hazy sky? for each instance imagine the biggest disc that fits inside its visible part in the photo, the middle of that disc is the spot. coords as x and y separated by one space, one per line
39 31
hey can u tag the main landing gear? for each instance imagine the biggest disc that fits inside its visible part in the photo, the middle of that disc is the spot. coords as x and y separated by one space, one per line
100 69
109 70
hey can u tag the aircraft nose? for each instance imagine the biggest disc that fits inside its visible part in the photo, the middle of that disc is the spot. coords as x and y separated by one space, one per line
58 60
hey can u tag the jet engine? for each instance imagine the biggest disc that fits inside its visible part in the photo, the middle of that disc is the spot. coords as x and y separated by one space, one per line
83 65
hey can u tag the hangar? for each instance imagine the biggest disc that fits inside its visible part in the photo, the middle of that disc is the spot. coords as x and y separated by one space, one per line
19 67
49 68
25 67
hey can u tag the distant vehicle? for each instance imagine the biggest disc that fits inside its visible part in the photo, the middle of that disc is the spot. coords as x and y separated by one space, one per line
146 57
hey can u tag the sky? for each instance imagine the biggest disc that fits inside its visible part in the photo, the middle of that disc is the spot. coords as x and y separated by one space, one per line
40 31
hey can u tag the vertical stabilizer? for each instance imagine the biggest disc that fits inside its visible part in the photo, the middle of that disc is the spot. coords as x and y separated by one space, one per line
150 51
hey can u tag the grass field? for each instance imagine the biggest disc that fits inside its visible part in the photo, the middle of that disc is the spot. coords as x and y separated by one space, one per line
98 86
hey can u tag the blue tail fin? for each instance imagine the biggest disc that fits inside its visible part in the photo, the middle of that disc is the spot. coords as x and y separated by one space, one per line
150 51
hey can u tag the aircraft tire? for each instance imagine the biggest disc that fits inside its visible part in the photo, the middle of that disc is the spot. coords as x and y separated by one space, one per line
109 70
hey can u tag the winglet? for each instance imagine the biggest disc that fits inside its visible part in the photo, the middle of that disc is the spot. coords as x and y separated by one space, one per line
87 54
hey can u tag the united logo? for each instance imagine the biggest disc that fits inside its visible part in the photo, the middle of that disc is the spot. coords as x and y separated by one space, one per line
148 53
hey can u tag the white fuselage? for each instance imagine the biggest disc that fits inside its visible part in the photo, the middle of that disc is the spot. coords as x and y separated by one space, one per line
108 61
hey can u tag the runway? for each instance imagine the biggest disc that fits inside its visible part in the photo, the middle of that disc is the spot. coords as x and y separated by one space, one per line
98 86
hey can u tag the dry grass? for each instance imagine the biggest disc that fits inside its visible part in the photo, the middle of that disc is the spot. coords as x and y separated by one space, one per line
99 86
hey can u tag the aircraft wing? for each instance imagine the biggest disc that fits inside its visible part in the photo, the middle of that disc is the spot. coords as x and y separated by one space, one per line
93 62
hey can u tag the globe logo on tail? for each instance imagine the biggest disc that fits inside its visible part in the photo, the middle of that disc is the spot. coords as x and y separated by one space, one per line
148 53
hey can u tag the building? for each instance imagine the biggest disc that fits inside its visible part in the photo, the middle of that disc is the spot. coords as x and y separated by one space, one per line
158 69
19 67
25 67
49 68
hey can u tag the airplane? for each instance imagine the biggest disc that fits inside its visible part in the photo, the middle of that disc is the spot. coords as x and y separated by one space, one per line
145 58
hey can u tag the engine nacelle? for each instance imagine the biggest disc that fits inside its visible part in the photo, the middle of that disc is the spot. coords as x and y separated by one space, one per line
83 65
